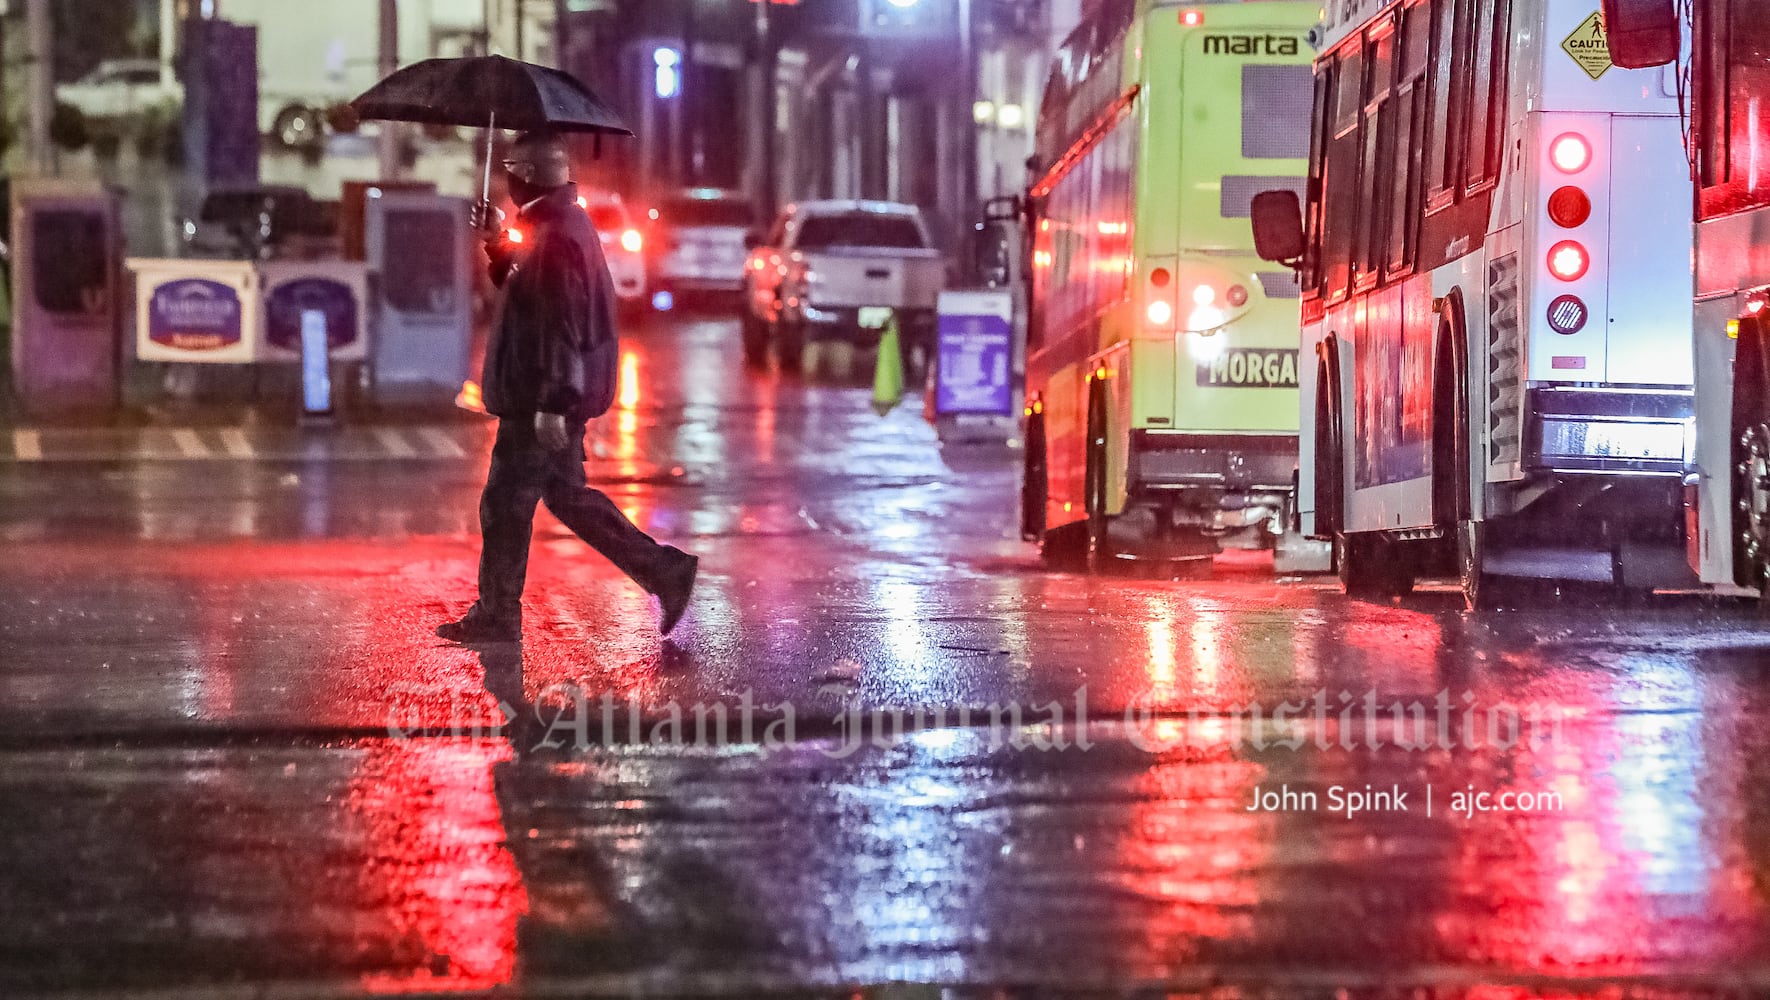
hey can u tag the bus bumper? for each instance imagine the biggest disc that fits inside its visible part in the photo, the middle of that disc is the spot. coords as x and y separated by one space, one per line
1619 432
1227 487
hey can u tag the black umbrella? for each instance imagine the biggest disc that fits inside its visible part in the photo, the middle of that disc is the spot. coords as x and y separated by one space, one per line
492 91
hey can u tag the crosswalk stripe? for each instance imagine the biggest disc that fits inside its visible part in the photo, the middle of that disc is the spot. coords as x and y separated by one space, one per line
190 445
27 446
441 443
233 441
395 443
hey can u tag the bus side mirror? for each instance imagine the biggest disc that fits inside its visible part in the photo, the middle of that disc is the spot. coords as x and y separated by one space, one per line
1642 33
1278 227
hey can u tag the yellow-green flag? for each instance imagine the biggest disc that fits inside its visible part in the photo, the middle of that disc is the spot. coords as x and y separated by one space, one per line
888 375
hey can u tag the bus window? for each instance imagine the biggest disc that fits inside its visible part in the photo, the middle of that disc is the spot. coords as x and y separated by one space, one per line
1450 86
1312 202
1379 138
1748 132
1340 178
1410 109
1275 112
1487 94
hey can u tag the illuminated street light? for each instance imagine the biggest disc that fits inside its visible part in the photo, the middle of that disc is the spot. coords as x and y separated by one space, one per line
904 4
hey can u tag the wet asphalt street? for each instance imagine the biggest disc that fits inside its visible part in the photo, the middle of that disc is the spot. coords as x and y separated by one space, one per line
235 762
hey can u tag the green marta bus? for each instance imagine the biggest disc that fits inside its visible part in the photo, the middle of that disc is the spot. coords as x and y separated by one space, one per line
1162 354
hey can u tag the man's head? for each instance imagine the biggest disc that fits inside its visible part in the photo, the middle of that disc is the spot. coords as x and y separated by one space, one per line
537 164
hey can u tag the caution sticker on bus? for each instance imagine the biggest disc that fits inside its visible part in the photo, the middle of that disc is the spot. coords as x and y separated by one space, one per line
1250 368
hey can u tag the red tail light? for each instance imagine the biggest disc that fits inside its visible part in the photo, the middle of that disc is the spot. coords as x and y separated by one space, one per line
1570 152
1192 18
1569 207
513 235
1568 260
631 241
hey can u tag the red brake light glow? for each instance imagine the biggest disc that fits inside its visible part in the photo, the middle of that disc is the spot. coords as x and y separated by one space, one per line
631 241
513 235
1192 18
1570 152
1569 207
1568 260
1160 277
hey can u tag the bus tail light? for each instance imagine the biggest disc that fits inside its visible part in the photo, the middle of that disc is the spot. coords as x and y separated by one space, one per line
1237 295
631 241
1570 152
1192 18
1568 260
1159 306
1567 314
1569 207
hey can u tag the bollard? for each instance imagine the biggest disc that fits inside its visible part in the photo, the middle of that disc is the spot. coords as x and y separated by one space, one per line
888 374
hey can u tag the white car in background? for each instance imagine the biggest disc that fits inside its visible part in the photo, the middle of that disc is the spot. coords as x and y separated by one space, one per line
121 88
623 244
700 233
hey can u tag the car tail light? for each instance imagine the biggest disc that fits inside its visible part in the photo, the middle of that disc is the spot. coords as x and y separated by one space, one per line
583 203
1568 260
513 235
1570 152
1569 207
1567 314
631 241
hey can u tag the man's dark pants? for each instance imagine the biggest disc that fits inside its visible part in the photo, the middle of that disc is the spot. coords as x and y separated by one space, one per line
523 473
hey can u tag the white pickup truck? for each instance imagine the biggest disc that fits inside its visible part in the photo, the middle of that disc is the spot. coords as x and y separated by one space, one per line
834 272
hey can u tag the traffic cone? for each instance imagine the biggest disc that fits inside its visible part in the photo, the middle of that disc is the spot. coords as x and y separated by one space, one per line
888 375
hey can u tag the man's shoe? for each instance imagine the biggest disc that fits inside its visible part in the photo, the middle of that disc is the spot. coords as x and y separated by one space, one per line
674 593
478 625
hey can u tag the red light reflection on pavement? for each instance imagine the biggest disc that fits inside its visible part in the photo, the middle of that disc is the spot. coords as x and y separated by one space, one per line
450 884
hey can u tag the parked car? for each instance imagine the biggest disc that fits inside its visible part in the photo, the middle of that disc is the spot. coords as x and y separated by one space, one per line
121 88
622 243
700 235
836 272
262 222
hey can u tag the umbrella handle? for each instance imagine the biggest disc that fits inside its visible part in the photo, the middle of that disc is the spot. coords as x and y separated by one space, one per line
485 184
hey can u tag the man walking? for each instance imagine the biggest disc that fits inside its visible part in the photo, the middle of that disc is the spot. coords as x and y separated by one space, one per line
551 365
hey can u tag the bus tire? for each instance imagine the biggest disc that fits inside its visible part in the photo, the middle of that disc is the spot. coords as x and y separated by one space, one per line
1094 484
1065 547
1330 452
1452 485
1034 489
1750 425
1371 567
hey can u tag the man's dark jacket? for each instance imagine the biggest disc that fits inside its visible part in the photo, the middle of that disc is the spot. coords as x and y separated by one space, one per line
554 345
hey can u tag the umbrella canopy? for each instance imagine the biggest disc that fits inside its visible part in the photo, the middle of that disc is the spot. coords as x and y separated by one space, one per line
482 90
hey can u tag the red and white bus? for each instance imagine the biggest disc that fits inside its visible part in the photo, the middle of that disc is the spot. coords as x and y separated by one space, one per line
1494 252
1728 486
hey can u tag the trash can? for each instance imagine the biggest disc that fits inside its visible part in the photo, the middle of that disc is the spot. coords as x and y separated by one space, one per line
65 333
421 294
